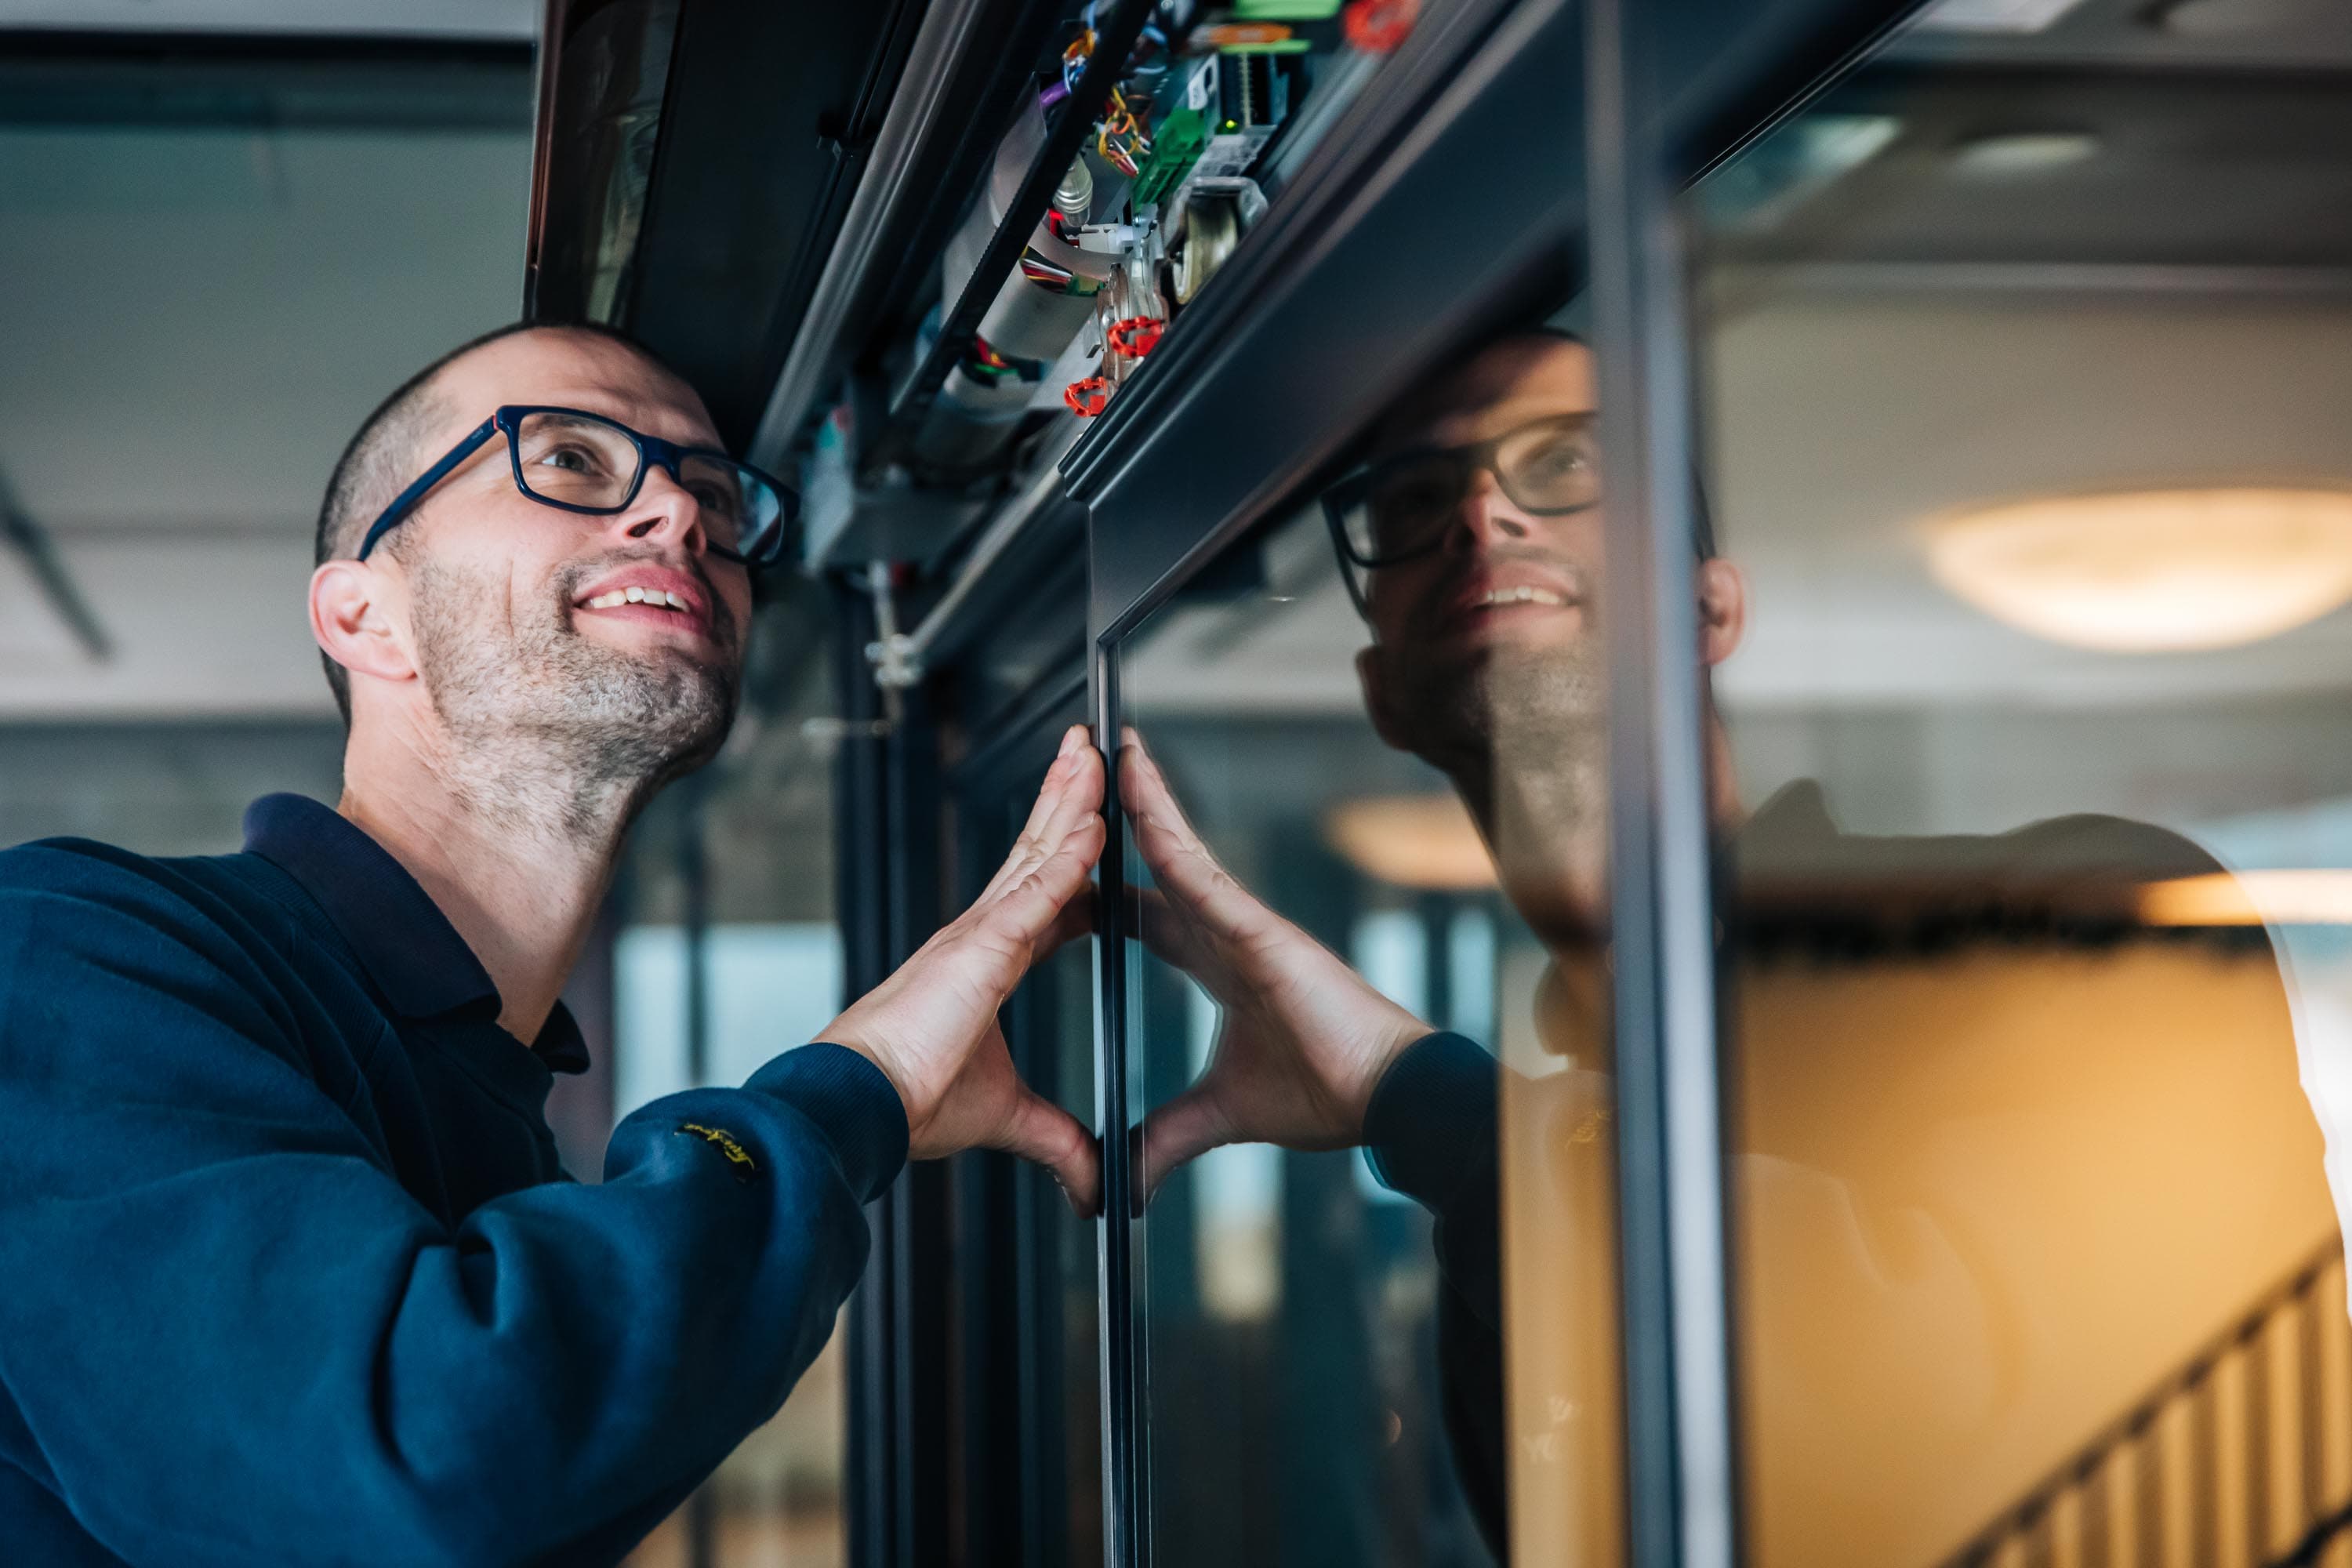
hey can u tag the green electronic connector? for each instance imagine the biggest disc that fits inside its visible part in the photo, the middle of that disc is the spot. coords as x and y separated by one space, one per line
1174 147
1285 10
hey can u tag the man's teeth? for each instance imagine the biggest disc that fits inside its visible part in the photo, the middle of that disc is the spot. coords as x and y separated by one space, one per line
1523 596
636 596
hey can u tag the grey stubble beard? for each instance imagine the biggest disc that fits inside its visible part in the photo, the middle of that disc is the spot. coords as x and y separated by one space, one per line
1524 735
550 732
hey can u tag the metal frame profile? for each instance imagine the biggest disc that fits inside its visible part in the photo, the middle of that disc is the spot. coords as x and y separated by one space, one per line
1677 1321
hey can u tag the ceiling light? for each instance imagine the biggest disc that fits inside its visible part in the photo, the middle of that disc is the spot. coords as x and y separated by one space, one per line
2150 570
2227 18
2021 154
1993 15
1424 841
2250 898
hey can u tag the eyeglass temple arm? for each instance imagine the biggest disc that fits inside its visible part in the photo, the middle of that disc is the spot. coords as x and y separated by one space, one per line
391 516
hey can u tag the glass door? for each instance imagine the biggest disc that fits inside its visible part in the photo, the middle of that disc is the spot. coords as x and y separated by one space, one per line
1956 767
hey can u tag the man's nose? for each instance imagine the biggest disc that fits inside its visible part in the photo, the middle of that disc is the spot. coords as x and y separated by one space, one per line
1485 517
663 511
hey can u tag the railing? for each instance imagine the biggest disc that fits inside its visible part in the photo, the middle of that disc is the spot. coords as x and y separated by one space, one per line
2241 1458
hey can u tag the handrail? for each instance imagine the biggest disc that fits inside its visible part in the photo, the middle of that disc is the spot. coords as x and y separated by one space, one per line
2080 1489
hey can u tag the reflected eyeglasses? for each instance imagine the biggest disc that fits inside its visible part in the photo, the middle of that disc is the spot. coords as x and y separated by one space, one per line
582 462
1398 508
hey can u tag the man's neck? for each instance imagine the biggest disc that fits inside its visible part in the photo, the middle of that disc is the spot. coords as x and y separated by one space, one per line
517 859
1543 811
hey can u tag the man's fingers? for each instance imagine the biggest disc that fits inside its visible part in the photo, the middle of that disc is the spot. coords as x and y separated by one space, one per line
1179 1132
1043 1132
1027 912
1072 791
1163 834
1050 790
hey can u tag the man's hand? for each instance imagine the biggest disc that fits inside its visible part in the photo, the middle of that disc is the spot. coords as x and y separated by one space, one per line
1303 1040
931 1026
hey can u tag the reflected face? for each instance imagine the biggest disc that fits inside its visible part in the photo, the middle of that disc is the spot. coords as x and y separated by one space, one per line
1496 619
1502 575
520 614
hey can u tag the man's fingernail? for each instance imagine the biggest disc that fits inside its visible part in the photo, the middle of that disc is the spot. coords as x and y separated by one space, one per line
1070 739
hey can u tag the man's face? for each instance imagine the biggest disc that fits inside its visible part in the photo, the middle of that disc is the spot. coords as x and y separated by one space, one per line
1501 614
513 627
1501 576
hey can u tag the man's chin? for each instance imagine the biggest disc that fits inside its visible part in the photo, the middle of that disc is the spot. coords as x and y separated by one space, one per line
1461 698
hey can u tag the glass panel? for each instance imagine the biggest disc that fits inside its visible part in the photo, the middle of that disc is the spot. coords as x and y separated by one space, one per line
2032 377
1316 814
1050 1029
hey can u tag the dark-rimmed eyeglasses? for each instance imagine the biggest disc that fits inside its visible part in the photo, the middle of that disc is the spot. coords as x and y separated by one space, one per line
1400 507
582 462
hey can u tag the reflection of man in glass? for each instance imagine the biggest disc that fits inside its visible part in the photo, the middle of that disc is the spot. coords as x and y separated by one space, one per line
2004 1160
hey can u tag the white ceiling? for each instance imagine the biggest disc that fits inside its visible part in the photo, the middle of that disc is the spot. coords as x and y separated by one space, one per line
195 320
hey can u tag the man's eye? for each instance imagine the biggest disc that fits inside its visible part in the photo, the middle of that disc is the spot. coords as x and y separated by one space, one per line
716 499
571 460
1558 460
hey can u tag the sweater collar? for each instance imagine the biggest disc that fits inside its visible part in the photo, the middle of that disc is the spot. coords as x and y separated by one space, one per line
414 955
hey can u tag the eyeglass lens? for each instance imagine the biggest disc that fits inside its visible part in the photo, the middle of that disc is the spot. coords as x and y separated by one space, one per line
576 461
1547 469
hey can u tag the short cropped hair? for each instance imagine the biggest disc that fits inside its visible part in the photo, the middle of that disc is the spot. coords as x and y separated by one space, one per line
386 454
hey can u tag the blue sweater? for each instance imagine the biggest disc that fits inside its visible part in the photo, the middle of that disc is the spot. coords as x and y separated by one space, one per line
288 1271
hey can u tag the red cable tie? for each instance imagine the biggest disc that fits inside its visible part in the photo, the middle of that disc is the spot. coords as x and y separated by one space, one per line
1088 397
1135 336
1377 27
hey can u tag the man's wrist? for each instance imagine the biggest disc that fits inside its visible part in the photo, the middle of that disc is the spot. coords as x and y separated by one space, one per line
849 1040
1385 1056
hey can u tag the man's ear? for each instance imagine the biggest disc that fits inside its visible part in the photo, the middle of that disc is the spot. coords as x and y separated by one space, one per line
1379 702
1722 610
351 624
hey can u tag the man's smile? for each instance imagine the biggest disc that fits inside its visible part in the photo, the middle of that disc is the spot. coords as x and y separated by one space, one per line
1508 598
654 595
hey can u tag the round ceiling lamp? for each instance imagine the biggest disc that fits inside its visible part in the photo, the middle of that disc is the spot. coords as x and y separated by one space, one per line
2153 571
2233 19
2022 154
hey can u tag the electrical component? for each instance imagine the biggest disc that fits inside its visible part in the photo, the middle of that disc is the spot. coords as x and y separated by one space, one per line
1174 148
1213 231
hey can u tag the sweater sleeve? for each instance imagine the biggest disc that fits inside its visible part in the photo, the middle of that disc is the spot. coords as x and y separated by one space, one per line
230 1336
1433 1133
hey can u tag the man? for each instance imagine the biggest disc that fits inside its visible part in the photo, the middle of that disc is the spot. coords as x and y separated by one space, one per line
2002 1159
292 1273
